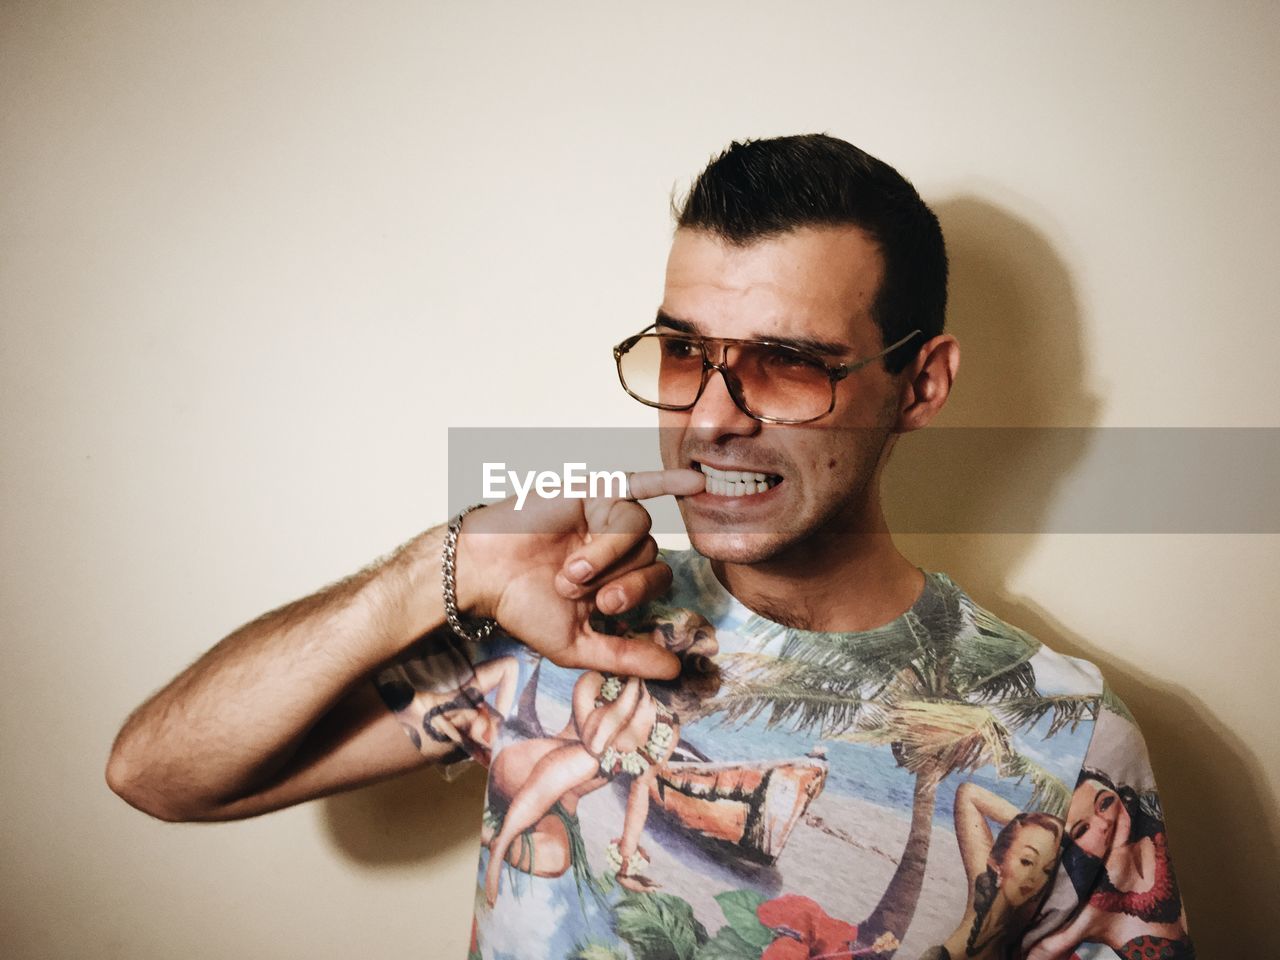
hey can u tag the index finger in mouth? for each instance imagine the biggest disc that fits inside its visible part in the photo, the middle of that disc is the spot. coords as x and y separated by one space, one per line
679 482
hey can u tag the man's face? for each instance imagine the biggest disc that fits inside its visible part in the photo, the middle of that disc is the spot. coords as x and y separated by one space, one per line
816 283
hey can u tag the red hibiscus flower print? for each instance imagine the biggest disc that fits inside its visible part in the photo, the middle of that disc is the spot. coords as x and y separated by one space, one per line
804 930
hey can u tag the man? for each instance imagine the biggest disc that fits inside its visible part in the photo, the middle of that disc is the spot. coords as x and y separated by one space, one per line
756 748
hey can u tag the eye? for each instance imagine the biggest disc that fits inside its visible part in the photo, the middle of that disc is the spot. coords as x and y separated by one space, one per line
788 359
679 348
1079 830
1025 861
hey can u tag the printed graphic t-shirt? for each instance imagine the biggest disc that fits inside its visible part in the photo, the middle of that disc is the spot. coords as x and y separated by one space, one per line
943 786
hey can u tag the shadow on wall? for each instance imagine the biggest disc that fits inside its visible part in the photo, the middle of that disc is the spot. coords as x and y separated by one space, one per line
1015 314
411 819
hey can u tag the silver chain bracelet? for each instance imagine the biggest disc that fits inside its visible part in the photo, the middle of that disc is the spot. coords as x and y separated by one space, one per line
447 556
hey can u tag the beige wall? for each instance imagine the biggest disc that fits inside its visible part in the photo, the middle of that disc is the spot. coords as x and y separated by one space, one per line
252 256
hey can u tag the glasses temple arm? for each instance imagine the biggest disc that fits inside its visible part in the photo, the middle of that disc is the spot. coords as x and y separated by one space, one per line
847 368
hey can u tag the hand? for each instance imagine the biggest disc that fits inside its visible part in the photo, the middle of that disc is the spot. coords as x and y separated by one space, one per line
636 882
522 567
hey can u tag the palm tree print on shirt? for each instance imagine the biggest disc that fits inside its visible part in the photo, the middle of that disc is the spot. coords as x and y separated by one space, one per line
945 687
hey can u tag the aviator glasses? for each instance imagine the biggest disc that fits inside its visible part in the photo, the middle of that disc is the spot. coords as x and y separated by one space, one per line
769 381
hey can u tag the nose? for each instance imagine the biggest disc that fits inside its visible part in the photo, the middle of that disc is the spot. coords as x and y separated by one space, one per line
716 414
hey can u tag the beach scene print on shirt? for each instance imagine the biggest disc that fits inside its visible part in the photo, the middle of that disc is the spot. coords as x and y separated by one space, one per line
902 791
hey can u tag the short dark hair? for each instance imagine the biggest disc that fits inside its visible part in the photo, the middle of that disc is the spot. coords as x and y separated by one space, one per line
757 189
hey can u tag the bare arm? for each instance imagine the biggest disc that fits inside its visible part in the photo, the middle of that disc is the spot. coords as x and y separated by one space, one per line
280 709
974 806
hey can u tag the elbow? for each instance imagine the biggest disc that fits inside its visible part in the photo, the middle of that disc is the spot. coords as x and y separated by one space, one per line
125 782
129 781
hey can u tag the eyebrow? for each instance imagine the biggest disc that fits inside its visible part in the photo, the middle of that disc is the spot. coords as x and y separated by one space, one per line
827 348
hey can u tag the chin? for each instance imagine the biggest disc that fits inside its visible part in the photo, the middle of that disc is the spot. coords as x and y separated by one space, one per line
736 547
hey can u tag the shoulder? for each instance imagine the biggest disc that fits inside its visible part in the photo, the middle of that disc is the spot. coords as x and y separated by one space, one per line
1050 708
1055 672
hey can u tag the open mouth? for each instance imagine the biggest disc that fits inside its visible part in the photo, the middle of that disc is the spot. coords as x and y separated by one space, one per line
737 483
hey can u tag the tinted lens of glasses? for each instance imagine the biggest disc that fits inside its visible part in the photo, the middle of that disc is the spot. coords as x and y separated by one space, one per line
773 381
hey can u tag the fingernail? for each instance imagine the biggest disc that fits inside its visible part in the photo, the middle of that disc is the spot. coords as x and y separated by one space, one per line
579 570
612 598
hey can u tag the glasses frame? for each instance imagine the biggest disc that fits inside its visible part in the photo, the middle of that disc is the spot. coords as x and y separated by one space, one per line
835 373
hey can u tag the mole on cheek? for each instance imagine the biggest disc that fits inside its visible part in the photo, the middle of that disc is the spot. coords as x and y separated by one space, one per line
831 464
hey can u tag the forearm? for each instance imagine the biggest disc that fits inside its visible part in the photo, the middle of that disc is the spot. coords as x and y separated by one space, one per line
637 812
230 722
976 805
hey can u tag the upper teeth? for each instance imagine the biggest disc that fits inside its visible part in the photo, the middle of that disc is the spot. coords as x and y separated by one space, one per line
737 483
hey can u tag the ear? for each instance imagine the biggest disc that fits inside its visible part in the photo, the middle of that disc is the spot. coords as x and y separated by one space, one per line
927 382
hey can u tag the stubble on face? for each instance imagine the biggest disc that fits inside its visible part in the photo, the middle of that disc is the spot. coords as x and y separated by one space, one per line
836 501
815 282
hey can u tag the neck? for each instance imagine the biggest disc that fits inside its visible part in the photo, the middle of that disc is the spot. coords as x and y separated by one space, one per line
830 582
